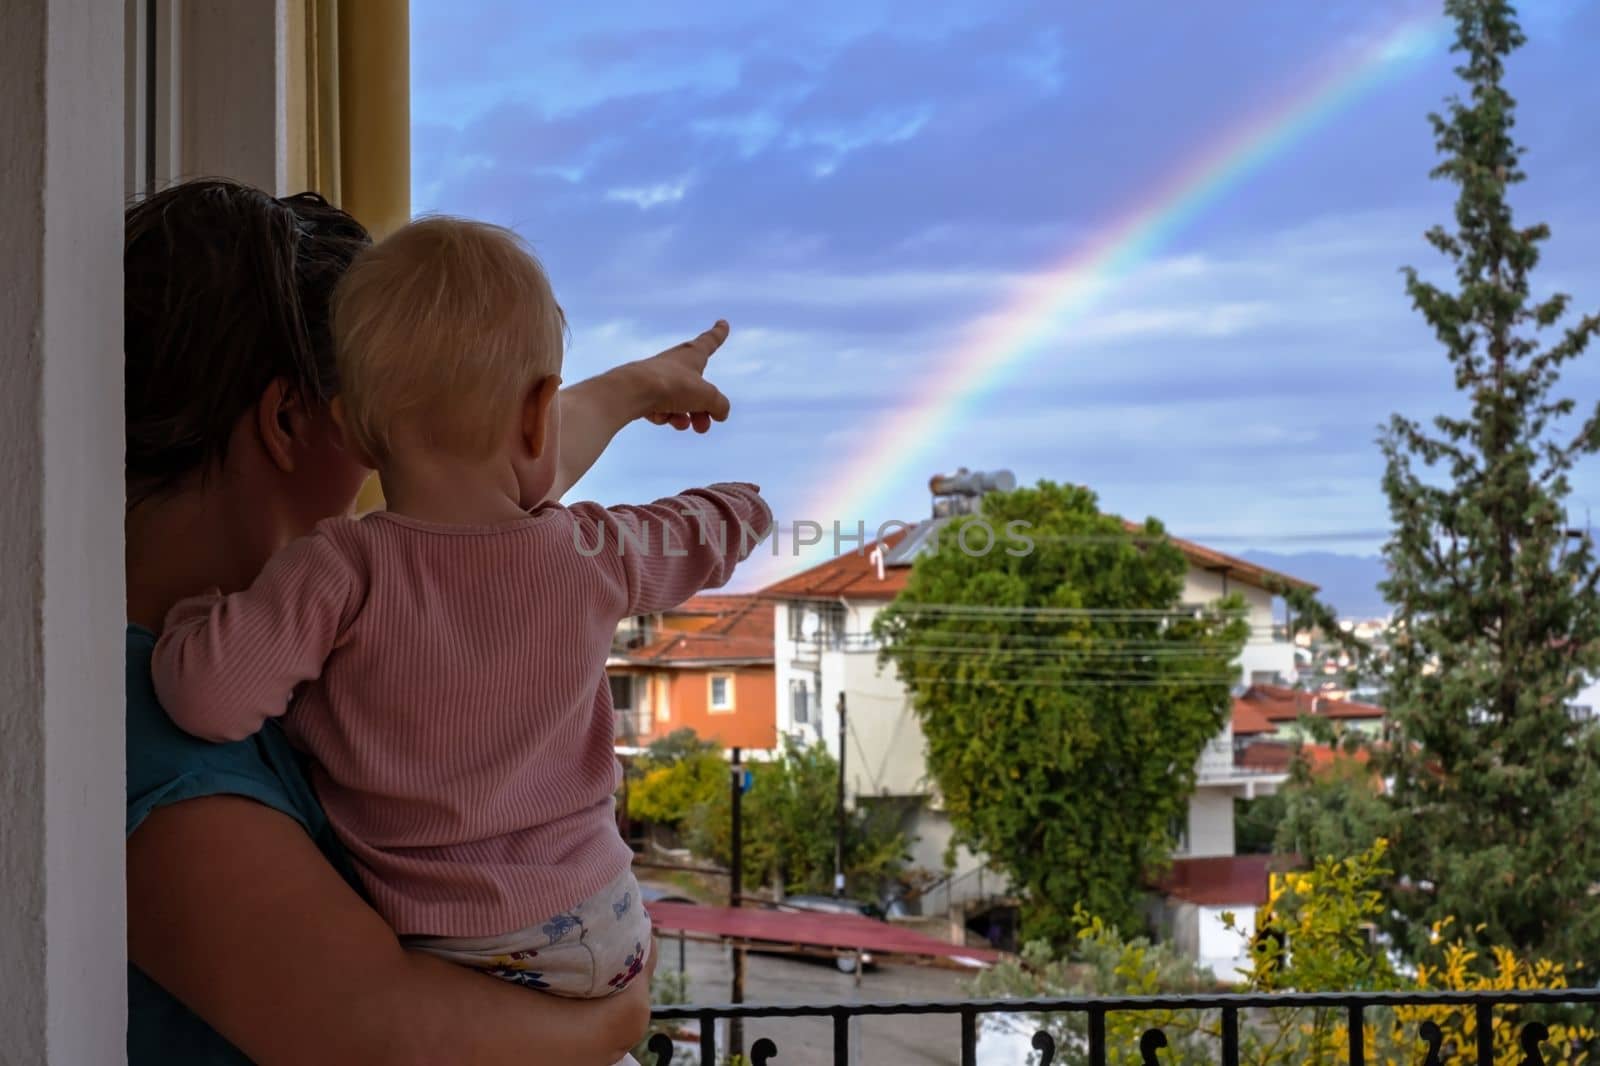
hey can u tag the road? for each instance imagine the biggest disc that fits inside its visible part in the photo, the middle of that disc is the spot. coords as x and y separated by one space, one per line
904 1041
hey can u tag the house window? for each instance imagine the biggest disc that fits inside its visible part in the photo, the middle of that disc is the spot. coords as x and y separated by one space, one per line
721 694
799 702
622 691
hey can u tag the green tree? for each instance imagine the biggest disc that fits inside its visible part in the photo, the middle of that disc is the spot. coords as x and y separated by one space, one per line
1256 822
1496 790
1064 699
790 824
1329 813
671 793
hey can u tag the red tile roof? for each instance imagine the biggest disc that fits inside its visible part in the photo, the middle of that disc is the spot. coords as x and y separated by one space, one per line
711 603
1223 881
1322 757
742 632
1272 756
1278 703
1249 721
1278 756
853 575
1210 559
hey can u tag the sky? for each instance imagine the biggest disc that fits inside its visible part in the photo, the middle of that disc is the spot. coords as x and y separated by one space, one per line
867 189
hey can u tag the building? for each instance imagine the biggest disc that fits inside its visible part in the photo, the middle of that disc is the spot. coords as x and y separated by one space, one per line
823 620
1196 893
105 100
705 666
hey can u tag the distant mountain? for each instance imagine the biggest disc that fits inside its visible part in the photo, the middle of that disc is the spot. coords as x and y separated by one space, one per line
1349 583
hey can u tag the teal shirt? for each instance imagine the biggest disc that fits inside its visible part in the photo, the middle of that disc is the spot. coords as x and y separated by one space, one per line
167 765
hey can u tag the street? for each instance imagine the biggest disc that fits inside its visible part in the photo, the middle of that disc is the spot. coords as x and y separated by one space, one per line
919 1040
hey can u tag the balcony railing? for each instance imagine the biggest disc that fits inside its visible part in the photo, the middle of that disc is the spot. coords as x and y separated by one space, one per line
837 642
1359 1012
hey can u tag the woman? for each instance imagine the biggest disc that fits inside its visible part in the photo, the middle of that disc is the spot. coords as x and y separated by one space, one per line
246 939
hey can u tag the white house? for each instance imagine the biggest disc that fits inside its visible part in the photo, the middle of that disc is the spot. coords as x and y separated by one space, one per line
825 650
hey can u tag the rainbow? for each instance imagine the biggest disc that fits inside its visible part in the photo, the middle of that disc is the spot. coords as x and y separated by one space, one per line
1009 338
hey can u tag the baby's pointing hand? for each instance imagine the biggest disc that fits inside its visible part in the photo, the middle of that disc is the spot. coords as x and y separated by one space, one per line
681 397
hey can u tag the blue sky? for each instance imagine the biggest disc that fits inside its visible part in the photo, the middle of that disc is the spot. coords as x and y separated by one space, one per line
854 185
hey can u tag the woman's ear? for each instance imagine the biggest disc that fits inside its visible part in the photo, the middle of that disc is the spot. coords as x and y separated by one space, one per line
280 421
538 408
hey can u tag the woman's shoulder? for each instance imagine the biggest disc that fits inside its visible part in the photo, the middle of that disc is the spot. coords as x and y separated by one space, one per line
166 765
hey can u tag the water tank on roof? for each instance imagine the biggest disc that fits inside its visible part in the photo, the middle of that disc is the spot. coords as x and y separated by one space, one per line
966 482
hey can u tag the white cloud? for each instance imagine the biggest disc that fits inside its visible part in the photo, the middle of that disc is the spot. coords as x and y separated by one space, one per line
648 196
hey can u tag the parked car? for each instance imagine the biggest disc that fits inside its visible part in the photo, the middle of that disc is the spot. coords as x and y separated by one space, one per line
837 905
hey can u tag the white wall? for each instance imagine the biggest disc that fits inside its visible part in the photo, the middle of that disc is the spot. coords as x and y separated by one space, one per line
1589 696
1225 952
1210 824
887 751
62 925
1261 652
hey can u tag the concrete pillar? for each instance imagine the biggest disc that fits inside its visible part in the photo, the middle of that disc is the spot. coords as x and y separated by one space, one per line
62 930
232 59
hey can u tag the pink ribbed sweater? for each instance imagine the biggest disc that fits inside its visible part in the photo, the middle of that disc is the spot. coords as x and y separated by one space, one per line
452 690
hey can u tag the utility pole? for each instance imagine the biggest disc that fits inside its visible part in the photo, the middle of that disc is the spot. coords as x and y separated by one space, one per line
838 842
735 899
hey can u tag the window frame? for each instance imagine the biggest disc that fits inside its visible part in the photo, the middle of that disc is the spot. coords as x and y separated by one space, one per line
727 706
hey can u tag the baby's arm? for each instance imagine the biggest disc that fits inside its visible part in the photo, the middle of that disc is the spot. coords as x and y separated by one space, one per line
225 664
669 550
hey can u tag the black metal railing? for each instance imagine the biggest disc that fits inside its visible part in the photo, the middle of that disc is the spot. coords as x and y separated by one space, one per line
1429 1041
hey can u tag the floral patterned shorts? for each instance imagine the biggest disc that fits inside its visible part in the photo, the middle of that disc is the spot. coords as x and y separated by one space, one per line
589 951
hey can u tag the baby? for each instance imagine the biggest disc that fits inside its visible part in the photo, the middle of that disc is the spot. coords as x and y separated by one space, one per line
443 662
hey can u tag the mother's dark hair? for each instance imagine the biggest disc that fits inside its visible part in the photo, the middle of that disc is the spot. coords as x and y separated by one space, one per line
226 289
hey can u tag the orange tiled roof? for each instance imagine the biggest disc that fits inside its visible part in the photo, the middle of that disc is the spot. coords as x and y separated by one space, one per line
1278 703
853 575
1210 559
711 603
742 632
1277 756
1249 721
1269 756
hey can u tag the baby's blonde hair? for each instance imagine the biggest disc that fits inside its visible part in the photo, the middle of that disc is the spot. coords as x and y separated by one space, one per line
444 325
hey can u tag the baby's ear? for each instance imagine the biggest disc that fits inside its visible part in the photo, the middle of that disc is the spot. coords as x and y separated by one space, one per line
539 414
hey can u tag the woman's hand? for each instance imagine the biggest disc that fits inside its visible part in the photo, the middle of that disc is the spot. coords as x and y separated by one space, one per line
234 911
632 1004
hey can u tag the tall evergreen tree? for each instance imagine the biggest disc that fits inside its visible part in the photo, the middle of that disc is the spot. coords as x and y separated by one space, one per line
1494 812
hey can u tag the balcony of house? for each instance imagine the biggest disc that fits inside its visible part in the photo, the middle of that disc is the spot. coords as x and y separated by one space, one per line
1478 1027
1219 766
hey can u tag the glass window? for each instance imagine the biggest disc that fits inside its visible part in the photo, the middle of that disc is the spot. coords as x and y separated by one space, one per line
800 702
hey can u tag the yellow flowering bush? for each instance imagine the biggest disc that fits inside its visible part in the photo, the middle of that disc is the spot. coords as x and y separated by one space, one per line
1315 934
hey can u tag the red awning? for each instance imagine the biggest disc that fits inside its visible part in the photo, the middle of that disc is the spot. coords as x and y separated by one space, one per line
840 933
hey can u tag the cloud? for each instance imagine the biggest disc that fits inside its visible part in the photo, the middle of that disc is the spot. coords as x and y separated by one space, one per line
648 196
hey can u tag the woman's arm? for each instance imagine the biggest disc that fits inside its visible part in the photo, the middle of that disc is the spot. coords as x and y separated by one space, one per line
234 911
669 389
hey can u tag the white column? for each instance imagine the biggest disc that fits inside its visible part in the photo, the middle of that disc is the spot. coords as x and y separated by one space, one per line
62 929
227 83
